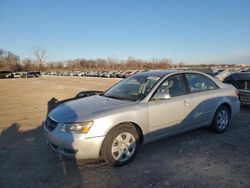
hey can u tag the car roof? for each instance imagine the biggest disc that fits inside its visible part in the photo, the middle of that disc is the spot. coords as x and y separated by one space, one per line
158 73
240 76
162 73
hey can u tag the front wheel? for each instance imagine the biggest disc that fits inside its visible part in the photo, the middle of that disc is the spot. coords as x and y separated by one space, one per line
221 120
120 145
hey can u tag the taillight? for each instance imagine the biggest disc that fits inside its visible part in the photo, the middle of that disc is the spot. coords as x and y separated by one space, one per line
236 93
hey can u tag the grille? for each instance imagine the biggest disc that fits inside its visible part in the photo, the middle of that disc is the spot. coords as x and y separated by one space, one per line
50 124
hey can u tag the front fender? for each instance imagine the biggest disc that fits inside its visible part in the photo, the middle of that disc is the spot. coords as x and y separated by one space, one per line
137 114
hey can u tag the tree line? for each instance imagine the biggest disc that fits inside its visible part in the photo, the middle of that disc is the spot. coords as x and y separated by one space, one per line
12 62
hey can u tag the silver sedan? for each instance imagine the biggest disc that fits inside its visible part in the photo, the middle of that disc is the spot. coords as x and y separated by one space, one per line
140 109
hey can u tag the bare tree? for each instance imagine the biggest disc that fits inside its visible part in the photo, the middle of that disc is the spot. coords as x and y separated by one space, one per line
27 65
40 54
9 61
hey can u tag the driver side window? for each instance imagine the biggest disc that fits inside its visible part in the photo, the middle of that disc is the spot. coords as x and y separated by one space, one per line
174 86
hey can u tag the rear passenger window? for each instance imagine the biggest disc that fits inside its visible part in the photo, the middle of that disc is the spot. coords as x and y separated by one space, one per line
199 83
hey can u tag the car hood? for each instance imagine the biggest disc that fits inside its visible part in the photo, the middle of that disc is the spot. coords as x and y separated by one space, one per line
86 108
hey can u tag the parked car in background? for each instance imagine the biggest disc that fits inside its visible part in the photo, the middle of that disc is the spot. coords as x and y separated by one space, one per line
140 109
241 81
6 74
53 103
17 75
81 74
129 73
247 69
33 74
223 74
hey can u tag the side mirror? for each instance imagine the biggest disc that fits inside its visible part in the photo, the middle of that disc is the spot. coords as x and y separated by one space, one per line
161 96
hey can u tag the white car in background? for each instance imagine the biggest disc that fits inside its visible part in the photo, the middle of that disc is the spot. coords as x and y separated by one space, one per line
222 75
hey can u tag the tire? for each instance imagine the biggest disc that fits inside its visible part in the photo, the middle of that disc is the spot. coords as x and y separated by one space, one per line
221 120
120 145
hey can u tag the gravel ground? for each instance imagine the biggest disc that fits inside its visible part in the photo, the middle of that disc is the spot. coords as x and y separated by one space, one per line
194 159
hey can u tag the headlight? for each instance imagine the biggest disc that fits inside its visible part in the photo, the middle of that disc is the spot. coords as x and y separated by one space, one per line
79 128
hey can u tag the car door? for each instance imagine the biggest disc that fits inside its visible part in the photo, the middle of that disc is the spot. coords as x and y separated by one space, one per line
203 97
166 116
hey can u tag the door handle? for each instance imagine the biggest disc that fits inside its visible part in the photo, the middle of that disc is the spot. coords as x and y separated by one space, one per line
187 102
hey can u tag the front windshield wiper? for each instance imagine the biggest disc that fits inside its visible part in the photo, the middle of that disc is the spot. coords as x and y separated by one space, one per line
118 98
113 97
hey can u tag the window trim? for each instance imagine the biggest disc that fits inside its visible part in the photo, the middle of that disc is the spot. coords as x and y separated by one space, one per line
188 85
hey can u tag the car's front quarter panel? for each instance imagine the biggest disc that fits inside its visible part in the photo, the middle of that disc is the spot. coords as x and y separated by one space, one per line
137 114
88 145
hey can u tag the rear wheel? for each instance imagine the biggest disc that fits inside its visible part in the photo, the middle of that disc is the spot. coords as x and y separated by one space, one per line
120 145
221 120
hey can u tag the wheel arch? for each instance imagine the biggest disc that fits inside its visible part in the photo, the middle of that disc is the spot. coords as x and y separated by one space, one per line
222 104
137 127
228 106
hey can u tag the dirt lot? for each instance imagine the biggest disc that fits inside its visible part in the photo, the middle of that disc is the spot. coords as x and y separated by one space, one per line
194 159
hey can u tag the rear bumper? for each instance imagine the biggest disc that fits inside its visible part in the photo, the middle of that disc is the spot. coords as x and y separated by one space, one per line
74 146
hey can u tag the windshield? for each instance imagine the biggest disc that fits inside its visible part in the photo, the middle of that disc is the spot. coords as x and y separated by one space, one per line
133 88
